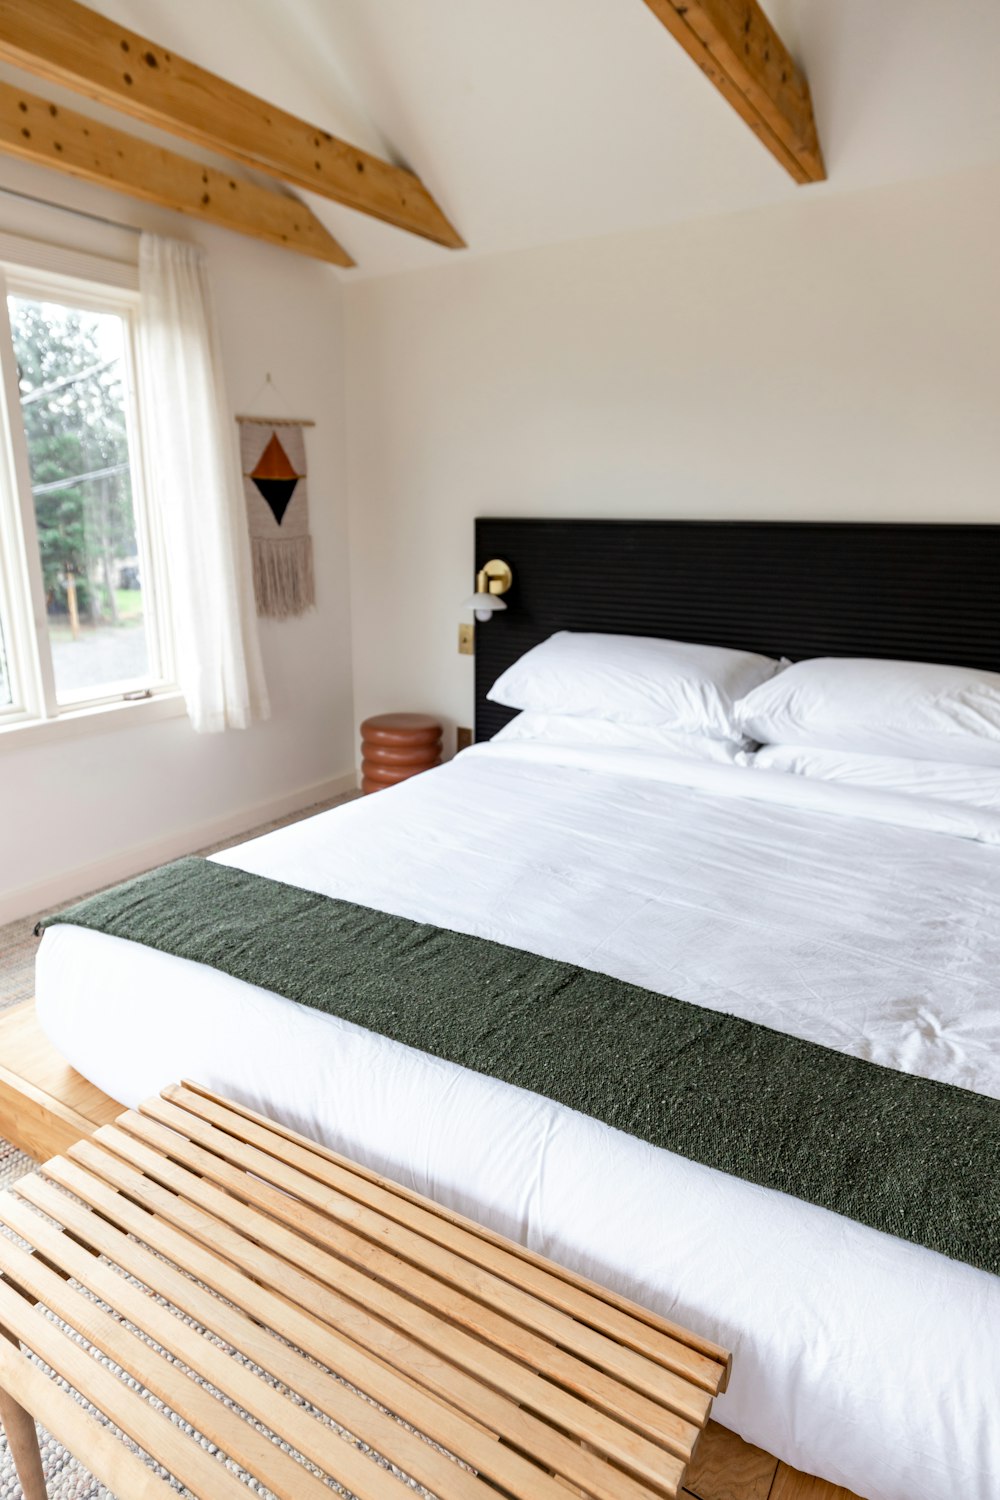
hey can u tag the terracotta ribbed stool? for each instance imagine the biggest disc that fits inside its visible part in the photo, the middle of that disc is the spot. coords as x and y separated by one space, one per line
395 746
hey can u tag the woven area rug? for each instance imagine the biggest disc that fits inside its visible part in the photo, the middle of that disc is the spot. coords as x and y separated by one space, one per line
68 1479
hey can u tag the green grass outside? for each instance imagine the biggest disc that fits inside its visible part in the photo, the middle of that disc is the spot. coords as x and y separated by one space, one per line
129 603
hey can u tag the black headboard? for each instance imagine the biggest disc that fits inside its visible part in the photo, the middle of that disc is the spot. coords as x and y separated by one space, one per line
784 588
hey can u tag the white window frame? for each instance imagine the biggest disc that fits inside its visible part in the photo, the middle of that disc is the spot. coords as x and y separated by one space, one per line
34 712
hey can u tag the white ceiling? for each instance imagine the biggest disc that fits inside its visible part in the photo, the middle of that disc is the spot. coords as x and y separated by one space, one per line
537 121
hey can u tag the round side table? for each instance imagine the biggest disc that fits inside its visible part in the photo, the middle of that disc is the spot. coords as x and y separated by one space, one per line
395 746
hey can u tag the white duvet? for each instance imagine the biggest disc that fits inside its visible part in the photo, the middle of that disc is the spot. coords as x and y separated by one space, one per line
867 922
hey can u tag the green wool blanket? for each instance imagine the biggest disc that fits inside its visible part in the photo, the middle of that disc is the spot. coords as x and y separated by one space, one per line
910 1157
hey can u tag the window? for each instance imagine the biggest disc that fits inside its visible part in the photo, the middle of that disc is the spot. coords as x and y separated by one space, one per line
81 620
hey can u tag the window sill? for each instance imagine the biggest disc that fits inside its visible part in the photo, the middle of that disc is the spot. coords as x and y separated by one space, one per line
99 719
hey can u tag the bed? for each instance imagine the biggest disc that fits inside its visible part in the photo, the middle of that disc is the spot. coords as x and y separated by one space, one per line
826 912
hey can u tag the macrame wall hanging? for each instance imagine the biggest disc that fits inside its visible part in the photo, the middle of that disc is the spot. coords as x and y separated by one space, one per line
273 454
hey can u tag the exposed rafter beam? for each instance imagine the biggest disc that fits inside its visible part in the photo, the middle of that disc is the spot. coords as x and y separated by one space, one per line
51 136
735 45
68 44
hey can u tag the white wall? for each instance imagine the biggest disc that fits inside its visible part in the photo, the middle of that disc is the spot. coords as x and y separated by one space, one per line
831 358
78 811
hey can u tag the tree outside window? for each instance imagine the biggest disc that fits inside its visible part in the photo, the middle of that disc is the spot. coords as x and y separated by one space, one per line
71 375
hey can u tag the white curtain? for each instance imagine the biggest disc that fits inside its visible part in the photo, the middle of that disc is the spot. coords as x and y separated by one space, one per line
193 468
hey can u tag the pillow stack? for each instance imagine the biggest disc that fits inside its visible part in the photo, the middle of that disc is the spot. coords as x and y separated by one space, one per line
631 692
897 726
900 726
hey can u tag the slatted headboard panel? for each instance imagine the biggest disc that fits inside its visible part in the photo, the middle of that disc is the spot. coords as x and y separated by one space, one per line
785 588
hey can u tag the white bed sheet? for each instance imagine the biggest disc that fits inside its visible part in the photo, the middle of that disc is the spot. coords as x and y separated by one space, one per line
858 1357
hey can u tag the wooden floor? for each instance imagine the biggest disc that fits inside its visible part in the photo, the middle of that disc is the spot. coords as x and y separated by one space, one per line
726 1468
45 1106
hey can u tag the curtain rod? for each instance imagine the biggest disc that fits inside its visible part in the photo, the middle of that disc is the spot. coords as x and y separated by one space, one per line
81 213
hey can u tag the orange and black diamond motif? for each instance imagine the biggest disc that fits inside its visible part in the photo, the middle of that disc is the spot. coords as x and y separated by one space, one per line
275 477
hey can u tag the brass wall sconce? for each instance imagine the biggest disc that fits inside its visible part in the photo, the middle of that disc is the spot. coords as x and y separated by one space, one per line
491 581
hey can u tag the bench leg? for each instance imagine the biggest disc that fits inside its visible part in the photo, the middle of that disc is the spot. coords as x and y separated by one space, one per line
22 1440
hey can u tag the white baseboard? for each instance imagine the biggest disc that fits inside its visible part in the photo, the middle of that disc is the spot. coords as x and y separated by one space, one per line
69 884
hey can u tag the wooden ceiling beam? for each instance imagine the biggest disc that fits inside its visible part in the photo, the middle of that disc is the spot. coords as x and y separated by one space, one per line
737 48
50 136
67 43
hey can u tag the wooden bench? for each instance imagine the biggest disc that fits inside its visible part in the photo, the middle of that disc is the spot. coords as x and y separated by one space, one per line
470 1364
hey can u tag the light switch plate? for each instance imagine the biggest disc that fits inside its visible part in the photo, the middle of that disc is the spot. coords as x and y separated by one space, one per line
467 640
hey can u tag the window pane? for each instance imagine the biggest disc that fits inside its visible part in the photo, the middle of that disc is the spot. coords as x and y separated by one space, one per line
71 369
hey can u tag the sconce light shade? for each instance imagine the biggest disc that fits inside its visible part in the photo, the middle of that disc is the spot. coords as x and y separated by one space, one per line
484 605
491 581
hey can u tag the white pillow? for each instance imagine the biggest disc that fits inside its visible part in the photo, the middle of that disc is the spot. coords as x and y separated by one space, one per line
565 730
913 709
631 679
975 785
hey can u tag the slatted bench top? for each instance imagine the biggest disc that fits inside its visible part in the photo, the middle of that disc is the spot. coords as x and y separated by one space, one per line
307 1318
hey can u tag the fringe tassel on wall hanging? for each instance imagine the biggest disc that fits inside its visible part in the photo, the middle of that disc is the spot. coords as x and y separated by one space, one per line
273 455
